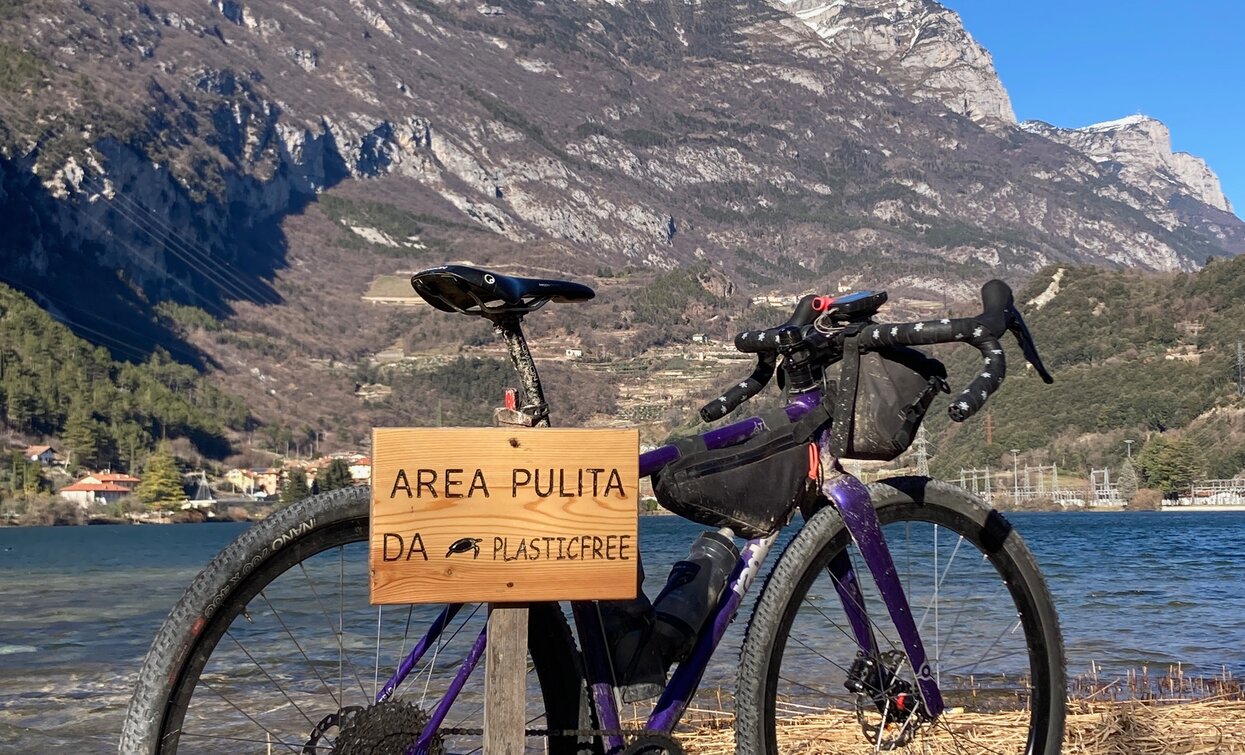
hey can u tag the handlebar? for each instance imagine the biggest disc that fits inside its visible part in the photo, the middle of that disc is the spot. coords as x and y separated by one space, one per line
765 344
999 315
968 330
756 341
741 392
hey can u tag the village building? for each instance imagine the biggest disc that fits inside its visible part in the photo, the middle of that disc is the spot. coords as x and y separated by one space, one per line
129 482
87 494
361 470
45 455
258 481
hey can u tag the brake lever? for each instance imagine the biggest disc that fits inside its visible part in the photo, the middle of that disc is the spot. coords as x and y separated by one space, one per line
1016 324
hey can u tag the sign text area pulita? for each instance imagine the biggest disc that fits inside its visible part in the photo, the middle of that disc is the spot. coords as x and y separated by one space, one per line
458 482
503 515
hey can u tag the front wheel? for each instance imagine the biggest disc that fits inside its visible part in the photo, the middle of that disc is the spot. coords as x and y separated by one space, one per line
983 612
275 648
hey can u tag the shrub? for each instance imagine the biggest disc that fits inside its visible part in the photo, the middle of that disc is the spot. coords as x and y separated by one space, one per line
1146 499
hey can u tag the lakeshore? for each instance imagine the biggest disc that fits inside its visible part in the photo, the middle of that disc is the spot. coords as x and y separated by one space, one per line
83 603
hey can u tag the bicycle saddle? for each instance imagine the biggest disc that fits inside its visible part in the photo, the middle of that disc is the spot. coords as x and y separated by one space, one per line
471 291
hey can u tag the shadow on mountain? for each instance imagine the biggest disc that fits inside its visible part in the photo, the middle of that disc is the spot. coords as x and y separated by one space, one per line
104 259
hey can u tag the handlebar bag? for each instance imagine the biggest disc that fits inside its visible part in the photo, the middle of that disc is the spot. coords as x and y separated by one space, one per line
880 399
751 487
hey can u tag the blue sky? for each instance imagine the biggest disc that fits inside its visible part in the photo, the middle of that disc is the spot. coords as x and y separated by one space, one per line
1076 63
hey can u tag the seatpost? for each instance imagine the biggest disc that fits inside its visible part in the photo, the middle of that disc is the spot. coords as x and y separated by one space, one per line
535 412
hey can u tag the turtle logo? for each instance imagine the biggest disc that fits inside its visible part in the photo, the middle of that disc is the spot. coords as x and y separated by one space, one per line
464 544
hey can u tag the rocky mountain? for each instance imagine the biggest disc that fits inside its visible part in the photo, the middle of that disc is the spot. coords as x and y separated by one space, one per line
1139 150
264 162
918 45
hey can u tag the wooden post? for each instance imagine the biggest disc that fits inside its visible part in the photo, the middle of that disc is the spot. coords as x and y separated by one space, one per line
505 683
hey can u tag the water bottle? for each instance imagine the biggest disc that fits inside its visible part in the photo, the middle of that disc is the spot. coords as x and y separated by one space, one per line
628 624
691 593
646 639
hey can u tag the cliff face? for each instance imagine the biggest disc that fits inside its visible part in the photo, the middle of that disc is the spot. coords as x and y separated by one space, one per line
1177 189
920 46
164 150
1139 149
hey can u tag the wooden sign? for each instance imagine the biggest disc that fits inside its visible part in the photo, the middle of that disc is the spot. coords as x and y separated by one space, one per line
503 515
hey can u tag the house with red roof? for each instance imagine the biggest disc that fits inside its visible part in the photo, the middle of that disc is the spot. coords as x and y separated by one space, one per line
361 470
87 494
129 482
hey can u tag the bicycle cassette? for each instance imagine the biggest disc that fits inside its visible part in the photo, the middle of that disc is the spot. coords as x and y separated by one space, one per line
386 728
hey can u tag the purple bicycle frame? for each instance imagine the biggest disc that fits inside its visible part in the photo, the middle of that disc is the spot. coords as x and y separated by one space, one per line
845 493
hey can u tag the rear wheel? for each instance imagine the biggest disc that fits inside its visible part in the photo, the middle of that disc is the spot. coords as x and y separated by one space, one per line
275 648
983 611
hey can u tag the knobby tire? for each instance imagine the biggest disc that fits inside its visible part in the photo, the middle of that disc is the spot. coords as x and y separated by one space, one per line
792 596
225 593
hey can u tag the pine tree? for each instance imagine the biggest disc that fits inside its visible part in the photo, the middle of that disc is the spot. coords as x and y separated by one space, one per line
82 436
335 476
295 486
1128 480
1169 466
162 482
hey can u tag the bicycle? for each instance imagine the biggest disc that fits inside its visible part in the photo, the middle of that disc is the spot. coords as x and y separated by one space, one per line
955 636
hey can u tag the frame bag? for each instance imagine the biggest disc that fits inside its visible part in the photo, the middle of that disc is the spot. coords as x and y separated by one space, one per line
881 398
751 487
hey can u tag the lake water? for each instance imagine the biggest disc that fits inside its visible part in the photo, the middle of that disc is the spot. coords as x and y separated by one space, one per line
80 605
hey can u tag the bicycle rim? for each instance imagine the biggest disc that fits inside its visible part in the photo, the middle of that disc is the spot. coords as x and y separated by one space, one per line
984 616
294 656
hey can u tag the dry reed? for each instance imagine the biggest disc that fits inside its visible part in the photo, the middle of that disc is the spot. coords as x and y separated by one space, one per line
1137 714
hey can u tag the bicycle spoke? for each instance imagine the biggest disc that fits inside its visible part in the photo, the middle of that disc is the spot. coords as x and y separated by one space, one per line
264 671
821 691
959 743
985 653
248 716
442 641
819 654
301 746
277 615
343 656
940 578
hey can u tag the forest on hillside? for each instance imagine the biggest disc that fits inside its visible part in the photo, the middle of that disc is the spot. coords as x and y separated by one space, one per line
53 384
1143 357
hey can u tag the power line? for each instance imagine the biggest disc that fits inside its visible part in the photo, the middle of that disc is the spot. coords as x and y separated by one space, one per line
141 346
234 284
201 262
193 255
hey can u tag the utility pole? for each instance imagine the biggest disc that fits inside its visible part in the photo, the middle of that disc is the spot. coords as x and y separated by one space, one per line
922 453
1240 369
1015 472
1128 444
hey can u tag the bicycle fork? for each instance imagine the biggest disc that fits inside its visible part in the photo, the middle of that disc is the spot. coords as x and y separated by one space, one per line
851 499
